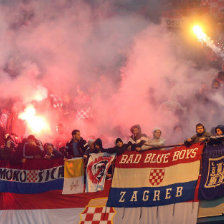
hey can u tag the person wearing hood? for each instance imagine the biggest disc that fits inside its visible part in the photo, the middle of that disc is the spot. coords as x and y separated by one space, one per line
137 139
30 148
98 145
200 136
219 130
218 139
156 142
89 149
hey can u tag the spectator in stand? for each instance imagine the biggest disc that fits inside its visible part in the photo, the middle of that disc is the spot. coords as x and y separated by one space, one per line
91 144
10 143
201 135
119 147
77 146
90 148
50 152
7 151
137 139
219 132
31 148
94 147
98 146
156 142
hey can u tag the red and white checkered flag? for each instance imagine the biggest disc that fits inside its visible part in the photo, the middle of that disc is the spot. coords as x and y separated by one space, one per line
32 176
156 176
97 213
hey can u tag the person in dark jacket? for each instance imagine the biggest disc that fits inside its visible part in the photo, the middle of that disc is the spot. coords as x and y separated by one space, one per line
77 146
31 148
8 150
119 147
137 139
201 135
219 130
50 152
98 146
93 147
218 139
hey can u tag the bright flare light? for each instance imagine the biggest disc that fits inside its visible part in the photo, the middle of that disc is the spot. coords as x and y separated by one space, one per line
35 123
199 33
203 37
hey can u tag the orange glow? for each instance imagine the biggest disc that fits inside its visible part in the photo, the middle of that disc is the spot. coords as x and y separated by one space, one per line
35 123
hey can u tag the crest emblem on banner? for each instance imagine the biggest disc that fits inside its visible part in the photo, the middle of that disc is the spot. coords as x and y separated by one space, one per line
97 212
97 168
32 176
156 176
215 176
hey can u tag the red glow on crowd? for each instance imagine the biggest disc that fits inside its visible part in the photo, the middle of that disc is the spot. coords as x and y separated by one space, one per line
36 124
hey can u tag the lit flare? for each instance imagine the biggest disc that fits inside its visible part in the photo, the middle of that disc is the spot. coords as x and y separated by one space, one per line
35 123
198 31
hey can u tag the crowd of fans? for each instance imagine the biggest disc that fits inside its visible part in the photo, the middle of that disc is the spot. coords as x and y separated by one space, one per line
32 148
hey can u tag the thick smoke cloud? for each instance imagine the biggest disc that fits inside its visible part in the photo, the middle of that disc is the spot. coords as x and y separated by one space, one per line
117 56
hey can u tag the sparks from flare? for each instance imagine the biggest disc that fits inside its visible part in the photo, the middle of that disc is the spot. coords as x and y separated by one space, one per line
35 123
204 38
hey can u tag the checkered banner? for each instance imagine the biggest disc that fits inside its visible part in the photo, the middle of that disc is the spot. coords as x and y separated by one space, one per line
32 177
96 212
153 178
97 215
156 176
